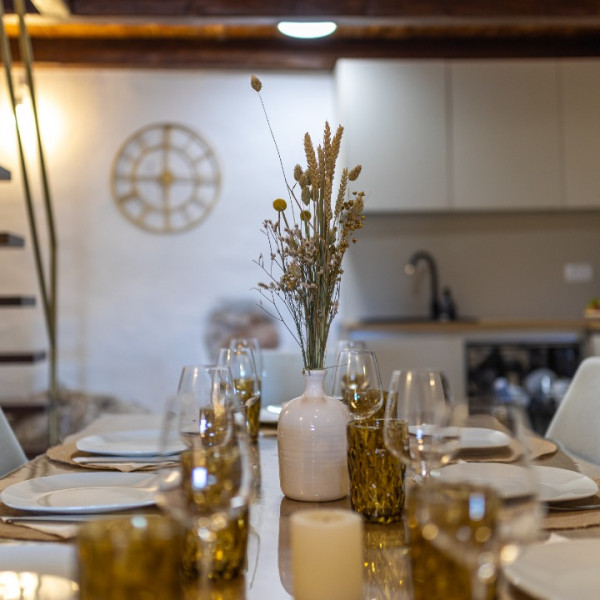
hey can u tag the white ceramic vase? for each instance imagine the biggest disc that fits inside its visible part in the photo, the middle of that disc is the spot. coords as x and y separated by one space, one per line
312 444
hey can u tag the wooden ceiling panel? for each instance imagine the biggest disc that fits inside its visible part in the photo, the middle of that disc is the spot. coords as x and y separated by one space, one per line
243 34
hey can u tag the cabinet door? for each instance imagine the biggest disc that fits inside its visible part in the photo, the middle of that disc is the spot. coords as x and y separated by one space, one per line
580 84
505 135
394 115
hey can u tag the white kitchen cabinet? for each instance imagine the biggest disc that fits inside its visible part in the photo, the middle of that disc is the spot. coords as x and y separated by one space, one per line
418 351
505 129
580 88
394 113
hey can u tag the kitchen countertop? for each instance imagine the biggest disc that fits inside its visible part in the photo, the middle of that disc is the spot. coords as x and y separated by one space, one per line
409 325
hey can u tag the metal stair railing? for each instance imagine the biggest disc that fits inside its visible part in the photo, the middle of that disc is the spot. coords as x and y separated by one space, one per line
47 280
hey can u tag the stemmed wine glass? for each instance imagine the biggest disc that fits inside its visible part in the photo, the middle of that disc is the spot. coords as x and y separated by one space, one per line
210 491
254 345
241 363
421 420
454 533
357 382
518 511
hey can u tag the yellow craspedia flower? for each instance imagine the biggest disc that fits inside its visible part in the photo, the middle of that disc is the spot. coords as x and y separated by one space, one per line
279 205
256 83
305 215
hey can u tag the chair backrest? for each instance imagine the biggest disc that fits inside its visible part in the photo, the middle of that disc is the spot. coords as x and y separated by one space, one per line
11 452
576 423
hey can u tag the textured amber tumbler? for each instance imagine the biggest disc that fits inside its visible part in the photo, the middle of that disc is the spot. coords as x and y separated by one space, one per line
130 557
376 475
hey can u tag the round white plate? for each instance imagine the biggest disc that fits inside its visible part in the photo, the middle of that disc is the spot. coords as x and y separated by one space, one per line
270 415
471 438
40 557
82 492
480 438
555 485
558 485
558 571
510 481
127 443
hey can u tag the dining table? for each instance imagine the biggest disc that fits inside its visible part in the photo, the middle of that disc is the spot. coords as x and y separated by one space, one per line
51 548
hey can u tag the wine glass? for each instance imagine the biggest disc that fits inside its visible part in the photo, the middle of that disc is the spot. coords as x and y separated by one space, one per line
453 531
254 345
357 383
241 363
209 492
512 474
508 472
420 400
350 345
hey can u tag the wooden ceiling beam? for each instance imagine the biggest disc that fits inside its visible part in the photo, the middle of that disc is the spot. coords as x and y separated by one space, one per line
242 33
266 53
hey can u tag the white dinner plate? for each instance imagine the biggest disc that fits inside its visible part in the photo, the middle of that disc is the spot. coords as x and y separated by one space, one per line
39 557
480 438
558 571
82 492
472 438
270 415
556 485
127 443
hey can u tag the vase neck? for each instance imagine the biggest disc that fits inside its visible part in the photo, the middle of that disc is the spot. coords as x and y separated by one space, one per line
314 382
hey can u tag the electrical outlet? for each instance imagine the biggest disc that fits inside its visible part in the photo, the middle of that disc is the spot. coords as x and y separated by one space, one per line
578 272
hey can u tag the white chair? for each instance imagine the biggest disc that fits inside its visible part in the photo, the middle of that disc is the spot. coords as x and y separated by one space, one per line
576 424
11 452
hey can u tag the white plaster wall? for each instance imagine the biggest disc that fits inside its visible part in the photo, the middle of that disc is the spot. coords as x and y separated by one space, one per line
132 305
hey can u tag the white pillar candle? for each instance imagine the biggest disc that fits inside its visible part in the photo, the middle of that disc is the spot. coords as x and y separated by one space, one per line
327 551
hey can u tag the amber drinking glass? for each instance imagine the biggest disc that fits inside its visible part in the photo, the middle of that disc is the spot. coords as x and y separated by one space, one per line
376 474
130 557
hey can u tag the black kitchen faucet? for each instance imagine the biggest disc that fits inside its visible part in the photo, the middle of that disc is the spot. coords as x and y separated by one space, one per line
410 268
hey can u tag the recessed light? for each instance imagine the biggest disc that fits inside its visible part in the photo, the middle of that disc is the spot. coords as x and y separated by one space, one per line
306 29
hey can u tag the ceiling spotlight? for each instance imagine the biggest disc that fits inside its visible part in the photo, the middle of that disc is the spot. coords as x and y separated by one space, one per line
307 30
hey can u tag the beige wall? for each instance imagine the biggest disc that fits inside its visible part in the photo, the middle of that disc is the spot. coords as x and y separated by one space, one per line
497 265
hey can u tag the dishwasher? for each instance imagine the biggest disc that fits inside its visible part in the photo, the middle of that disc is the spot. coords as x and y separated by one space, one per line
534 371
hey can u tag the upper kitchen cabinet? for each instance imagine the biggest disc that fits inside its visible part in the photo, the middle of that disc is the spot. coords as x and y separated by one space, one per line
505 146
394 113
580 85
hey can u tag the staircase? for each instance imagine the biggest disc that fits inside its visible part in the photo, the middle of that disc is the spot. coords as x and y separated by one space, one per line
17 409
46 273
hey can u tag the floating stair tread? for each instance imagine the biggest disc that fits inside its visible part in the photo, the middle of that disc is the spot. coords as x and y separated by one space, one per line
22 357
4 174
10 239
17 300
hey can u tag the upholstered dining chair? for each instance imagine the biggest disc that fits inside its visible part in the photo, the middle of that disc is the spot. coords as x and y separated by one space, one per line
11 452
576 424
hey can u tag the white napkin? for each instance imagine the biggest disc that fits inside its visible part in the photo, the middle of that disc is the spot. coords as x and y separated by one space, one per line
123 464
63 530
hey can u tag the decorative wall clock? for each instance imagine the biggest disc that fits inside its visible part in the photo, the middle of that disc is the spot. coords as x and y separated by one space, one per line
165 178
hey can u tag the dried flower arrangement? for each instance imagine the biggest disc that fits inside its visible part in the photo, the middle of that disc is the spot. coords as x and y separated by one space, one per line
308 240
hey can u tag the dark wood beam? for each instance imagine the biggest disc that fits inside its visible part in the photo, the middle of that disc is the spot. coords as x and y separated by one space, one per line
242 33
